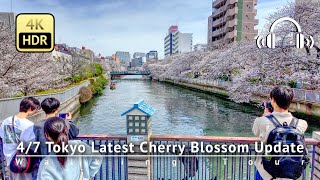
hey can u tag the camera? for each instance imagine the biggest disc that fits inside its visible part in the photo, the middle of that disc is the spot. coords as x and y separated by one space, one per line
268 106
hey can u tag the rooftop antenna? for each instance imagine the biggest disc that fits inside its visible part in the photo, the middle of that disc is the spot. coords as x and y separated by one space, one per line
11 6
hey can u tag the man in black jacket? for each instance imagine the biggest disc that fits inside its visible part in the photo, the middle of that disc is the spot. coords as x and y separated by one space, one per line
51 107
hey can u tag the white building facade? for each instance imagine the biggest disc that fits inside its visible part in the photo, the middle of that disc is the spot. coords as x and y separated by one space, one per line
177 42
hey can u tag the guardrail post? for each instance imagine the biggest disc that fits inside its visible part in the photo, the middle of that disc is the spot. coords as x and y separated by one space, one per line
316 166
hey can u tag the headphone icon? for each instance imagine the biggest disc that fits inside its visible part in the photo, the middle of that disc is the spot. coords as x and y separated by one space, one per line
271 37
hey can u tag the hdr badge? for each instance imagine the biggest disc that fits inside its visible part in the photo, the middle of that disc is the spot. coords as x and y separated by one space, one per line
35 32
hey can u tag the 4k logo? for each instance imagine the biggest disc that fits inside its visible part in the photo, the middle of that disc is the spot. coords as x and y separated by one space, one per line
35 32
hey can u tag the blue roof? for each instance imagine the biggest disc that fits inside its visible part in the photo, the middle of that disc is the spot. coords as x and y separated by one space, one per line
141 106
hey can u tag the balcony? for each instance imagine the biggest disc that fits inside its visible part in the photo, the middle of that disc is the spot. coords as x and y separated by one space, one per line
217 22
231 35
216 3
217 42
231 23
231 2
217 12
232 12
217 32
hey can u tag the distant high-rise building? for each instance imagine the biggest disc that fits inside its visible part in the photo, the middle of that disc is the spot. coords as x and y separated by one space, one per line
232 20
138 54
200 47
7 20
137 62
152 55
177 42
124 57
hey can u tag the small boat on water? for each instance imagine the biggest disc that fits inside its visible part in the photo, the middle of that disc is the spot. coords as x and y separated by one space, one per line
112 86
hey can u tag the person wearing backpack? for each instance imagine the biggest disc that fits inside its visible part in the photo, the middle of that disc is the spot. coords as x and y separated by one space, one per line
16 129
65 165
266 127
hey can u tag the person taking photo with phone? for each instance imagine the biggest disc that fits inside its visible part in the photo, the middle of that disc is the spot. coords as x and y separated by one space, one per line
51 107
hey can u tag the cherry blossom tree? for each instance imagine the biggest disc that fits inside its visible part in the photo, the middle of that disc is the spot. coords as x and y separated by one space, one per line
248 69
24 72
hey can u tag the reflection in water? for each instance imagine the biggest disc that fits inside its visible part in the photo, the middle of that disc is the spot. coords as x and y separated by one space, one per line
178 111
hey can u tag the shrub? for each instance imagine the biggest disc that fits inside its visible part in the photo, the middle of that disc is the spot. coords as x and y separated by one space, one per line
292 84
98 69
85 94
76 79
98 85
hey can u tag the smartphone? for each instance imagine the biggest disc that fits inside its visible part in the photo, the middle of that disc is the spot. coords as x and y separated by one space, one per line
268 106
63 115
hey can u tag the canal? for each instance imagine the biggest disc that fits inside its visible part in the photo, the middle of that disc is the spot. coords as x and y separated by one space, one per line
179 111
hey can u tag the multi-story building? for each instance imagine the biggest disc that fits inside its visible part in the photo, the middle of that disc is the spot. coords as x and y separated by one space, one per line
124 57
87 53
137 62
138 54
177 42
200 47
7 20
64 48
152 55
232 20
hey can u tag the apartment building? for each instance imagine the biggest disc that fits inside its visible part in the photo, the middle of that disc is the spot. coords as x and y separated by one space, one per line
152 55
124 57
232 20
137 62
139 54
177 42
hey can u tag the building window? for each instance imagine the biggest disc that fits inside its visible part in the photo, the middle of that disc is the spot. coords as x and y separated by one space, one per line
130 117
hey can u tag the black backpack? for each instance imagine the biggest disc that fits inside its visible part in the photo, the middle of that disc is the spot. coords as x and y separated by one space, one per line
286 166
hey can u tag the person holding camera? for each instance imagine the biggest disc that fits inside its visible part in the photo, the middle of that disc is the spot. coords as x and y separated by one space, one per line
265 126
51 107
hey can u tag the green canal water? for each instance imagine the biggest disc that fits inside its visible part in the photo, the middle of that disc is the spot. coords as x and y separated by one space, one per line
179 111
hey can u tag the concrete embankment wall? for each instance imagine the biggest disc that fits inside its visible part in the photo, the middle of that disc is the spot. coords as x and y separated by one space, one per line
303 107
69 101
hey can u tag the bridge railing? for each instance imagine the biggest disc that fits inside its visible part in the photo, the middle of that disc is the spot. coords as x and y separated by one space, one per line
113 166
188 166
215 167
130 73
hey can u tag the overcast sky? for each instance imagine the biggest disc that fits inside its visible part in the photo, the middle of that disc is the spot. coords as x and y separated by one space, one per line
106 26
